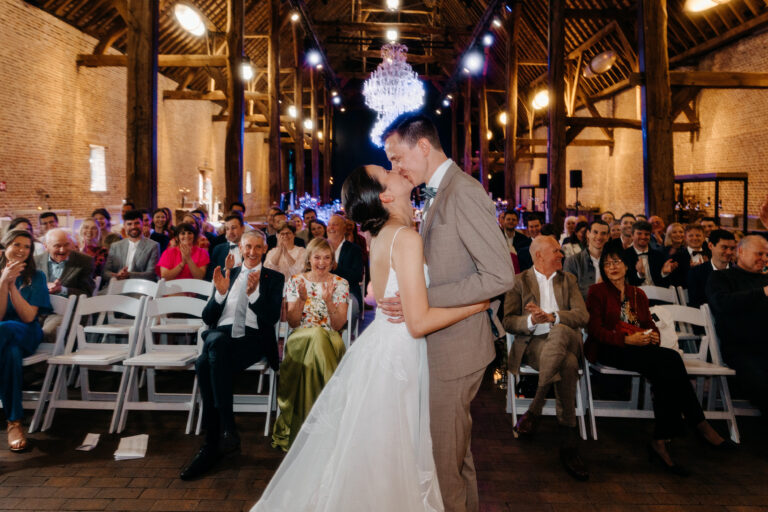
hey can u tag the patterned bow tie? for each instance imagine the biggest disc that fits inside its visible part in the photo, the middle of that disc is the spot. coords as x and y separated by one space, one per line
697 253
430 192
232 246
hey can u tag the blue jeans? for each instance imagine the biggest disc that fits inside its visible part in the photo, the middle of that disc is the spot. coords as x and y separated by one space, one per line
17 340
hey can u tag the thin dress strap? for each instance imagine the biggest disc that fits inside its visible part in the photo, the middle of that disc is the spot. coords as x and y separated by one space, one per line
392 245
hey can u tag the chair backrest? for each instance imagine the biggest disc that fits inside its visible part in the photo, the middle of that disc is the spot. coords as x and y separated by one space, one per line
682 294
157 309
64 306
178 286
713 344
668 295
134 286
346 334
108 304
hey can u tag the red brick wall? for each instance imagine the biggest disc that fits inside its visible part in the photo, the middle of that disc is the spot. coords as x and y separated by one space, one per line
732 138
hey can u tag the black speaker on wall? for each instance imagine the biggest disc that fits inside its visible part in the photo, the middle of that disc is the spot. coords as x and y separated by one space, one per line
576 178
543 180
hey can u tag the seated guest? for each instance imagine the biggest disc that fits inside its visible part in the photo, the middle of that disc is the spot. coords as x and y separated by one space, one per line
309 214
349 262
674 239
134 257
241 319
227 255
516 240
533 225
692 254
545 311
239 207
569 227
48 221
615 230
585 264
287 258
738 297
648 267
25 224
160 224
317 229
271 213
627 221
24 295
89 243
193 221
641 216
104 220
169 220
608 217
186 259
657 232
206 230
623 335
278 218
708 224
298 224
722 245
162 237
317 310
575 243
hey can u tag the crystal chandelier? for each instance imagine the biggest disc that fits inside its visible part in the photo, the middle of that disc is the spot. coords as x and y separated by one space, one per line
392 89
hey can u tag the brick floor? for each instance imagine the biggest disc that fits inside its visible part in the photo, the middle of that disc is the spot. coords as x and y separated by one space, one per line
513 475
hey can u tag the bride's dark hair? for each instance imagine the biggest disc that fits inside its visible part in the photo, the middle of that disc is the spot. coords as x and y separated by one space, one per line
362 203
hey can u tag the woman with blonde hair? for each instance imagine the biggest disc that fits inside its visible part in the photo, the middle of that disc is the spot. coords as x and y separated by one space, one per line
89 242
674 239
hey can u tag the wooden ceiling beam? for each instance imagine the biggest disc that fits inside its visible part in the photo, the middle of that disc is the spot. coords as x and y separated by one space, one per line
575 142
633 124
208 96
711 79
167 61
403 28
721 40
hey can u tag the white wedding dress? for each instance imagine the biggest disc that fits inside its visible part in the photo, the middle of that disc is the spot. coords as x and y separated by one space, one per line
366 444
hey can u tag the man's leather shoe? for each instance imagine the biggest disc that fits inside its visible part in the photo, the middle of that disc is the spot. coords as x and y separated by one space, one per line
573 463
527 424
202 462
230 443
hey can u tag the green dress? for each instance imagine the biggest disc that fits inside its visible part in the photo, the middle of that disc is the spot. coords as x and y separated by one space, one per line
311 355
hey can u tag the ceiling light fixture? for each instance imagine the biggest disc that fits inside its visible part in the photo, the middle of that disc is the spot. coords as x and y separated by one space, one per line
600 64
313 57
190 19
702 5
308 124
336 100
541 100
473 62
294 16
292 112
503 118
246 70
393 5
488 39
392 35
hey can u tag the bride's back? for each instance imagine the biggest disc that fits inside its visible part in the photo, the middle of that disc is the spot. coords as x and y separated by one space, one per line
380 260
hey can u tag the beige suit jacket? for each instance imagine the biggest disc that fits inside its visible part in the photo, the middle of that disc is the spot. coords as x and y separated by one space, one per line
468 262
571 309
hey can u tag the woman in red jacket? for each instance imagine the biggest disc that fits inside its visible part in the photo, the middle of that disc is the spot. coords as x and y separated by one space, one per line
622 334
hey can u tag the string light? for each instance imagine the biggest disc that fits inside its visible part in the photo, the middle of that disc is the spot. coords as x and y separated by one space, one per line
314 57
473 62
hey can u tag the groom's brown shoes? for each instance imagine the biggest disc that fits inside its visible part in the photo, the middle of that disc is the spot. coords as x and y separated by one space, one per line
527 424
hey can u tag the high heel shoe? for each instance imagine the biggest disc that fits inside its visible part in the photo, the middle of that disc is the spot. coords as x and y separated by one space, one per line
16 440
726 446
675 469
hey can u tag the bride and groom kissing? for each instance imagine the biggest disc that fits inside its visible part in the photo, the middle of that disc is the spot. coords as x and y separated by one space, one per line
391 430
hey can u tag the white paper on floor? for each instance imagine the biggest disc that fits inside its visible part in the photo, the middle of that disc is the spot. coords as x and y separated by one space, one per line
134 447
89 443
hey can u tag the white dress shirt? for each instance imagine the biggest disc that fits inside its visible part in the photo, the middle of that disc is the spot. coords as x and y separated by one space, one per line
337 254
647 279
548 303
596 264
695 260
131 253
238 290
235 251
436 179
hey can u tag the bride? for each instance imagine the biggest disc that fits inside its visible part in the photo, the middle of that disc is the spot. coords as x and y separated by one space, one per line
366 444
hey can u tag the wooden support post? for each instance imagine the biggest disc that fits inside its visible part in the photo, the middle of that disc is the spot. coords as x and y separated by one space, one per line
315 142
298 89
482 134
510 142
468 128
141 128
276 184
327 114
556 145
656 108
233 152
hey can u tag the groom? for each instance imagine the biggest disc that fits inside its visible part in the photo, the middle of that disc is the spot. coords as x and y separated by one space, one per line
468 263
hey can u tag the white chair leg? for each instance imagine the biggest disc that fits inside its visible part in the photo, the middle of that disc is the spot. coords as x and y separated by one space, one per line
85 386
192 404
728 406
44 390
121 395
199 419
635 396
580 411
60 377
268 420
129 398
514 401
261 382
590 402
149 375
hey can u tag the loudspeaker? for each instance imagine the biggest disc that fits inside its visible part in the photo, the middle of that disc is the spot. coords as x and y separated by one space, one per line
576 178
543 180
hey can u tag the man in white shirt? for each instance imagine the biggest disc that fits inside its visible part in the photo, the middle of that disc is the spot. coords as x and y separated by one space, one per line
627 221
545 311
227 254
586 265
134 257
722 245
241 319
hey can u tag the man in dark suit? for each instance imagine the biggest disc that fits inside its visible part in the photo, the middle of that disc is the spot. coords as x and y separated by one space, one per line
545 311
695 252
533 225
516 240
722 245
67 272
277 219
349 261
646 267
739 300
134 257
241 319
586 265
227 254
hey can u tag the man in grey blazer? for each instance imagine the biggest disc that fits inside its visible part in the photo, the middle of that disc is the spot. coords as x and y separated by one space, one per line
134 257
545 311
468 262
585 265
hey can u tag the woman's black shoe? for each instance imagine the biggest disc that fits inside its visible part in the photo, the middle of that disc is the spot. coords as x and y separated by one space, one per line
675 469
726 446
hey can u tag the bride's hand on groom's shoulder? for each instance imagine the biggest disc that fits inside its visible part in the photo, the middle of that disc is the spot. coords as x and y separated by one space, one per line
393 308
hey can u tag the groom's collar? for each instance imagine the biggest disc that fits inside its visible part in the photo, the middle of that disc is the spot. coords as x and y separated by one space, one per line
437 177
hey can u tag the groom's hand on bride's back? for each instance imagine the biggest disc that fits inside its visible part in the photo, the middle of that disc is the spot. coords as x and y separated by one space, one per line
393 308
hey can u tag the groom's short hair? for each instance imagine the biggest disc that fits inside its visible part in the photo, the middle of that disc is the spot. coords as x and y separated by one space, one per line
411 128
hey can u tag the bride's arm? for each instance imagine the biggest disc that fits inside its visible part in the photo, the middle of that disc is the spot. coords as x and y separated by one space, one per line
407 259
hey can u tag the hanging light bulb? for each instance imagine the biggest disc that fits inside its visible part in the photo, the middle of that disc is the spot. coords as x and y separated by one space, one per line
292 112
473 62
392 35
446 102
190 19
320 135
336 100
313 57
393 5
488 39
438 111
496 22
541 100
503 118
600 64
702 5
294 16
308 124
489 135
246 70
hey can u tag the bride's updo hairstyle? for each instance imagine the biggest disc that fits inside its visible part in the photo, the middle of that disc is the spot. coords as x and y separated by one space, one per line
362 203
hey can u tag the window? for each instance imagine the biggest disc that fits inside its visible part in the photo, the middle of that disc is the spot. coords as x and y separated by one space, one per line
248 182
98 169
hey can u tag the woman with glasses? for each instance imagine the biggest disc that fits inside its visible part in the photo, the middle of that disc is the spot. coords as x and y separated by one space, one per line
286 257
622 335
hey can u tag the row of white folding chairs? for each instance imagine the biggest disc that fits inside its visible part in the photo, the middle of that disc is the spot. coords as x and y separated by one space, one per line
706 364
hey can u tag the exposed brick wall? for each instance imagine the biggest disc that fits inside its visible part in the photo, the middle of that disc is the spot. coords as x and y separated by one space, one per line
50 111
732 138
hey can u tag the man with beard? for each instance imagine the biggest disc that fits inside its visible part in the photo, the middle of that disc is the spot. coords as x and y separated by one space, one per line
134 257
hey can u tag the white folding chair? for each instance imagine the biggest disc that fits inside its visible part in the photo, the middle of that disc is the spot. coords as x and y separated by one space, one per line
661 294
153 356
682 294
519 405
36 399
96 285
95 356
107 324
347 332
178 286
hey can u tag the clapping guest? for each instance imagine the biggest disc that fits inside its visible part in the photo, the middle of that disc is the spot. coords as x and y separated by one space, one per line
674 239
309 214
317 229
206 230
200 240
134 257
23 295
650 267
186 259
623 335
89 243
155 228
227 254
104 220
160 223
694 253
722 245
317 310
575 243
286 258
